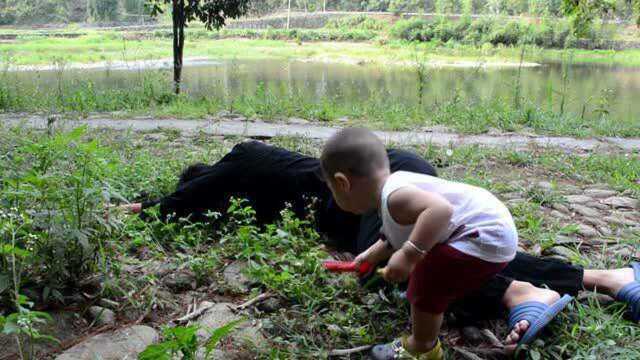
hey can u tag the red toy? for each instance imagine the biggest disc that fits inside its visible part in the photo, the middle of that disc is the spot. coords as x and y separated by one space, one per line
348 266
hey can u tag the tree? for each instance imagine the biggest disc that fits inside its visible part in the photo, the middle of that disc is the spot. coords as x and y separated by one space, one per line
213 13
105 10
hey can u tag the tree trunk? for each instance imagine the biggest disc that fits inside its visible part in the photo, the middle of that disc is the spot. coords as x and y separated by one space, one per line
178 42
289 15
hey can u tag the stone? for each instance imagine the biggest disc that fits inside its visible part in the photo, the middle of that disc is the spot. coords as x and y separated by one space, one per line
560 207
619 219
599 193
515 202
511 195
180 281
596 205
587 231
593 221
621 202
110 304
557 257
570 188
297 121
221 314
124 343
625 251
604 230
558 215
584 211
101 316
577 199
270 305
545 185
562 252
472 335
566 240
235 279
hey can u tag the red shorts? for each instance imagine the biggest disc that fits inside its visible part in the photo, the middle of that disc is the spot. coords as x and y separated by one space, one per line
446 274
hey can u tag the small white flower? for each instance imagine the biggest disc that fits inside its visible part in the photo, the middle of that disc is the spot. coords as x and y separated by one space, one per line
449 152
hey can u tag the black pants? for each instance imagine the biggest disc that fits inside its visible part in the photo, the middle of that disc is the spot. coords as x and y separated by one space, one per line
271 178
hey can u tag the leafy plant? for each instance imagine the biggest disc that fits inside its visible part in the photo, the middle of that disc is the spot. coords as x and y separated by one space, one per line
183 341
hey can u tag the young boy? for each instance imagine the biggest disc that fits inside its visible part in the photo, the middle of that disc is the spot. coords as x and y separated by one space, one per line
447 238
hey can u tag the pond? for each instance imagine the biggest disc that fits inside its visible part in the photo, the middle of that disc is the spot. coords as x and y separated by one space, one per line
582 88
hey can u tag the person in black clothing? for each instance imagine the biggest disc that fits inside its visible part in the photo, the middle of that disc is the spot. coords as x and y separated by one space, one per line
270 178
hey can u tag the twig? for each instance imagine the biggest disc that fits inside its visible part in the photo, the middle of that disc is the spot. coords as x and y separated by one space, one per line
467 354
250 302
343 352
491 337
194 314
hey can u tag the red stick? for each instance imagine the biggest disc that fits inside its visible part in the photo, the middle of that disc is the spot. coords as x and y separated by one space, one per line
347 266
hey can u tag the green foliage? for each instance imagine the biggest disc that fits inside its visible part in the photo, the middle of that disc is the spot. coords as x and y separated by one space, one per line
495 31
105 10
182 341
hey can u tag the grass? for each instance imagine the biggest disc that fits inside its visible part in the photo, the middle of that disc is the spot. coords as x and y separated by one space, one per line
149 93
117 46
320 312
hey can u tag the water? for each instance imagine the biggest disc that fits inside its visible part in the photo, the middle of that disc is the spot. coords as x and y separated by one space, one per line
589 88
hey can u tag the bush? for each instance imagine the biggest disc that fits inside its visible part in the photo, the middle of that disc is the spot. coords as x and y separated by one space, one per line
496 31
357 22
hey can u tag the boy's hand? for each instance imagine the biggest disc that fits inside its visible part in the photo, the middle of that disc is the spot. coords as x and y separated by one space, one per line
399 267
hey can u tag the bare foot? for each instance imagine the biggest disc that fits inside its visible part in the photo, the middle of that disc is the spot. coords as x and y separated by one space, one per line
608 281
518 293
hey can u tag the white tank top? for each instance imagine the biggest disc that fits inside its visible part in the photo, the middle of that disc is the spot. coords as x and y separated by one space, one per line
480 226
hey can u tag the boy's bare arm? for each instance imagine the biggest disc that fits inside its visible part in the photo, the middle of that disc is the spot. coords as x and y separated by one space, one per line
375 253
430 213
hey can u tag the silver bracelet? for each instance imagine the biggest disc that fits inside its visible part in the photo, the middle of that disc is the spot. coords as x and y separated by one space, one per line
416 248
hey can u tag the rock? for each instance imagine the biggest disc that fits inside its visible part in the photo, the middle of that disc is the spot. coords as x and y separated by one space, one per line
566 240
558 215
619 219
235 279
101 316
558 258
162 269
577 199
560 207
270 305
562 251
343 119
110 304
536 250
472 335
584 211
297 121
596 205
604 230
587 231
181 281
511 196
570 188
545 185
515 202
622 250
221 314
621 202
599 193
593 221
124 343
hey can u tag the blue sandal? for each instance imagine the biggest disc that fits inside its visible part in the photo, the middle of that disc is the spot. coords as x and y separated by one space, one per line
538 314
630 293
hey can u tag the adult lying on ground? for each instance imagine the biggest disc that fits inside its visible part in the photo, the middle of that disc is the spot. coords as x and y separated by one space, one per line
270 178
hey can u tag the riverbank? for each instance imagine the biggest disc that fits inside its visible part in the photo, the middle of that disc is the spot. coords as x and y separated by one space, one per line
110 46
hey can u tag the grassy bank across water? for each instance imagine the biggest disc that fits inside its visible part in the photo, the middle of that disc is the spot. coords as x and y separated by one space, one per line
99 46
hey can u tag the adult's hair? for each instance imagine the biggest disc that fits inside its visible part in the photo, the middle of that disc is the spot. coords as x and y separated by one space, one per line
353 151
192 172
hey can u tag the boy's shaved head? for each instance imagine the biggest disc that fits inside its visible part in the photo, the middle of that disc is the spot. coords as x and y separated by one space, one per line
354 151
